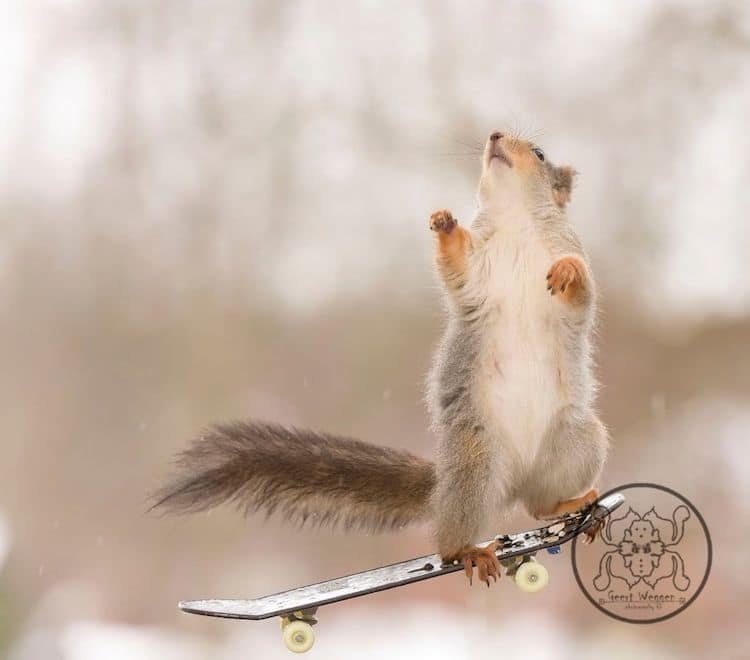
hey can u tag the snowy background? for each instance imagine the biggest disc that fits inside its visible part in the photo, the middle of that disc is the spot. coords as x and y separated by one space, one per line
219 210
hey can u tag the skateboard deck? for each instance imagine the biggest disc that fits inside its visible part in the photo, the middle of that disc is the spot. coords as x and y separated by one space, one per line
518 547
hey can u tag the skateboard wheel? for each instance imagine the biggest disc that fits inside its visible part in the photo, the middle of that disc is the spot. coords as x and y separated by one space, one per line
298 636
531 577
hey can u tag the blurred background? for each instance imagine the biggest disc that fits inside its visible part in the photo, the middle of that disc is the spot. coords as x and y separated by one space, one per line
219 210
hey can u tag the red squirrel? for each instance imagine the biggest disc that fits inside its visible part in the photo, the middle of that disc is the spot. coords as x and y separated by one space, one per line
510 393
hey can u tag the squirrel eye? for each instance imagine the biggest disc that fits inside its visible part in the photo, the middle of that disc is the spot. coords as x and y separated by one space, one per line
539 153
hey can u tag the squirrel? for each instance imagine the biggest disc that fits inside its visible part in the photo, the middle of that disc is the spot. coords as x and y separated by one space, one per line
510 393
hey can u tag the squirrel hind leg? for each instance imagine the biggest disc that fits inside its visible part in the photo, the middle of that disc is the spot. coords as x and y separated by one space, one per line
569 506
463 491
569 461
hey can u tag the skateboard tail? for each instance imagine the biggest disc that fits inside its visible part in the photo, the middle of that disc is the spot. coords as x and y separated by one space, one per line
607 505
224 608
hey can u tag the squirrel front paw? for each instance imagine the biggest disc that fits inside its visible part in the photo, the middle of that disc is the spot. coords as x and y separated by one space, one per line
442 222
566 277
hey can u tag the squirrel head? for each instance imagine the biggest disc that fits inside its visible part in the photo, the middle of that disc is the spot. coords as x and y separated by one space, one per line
512 166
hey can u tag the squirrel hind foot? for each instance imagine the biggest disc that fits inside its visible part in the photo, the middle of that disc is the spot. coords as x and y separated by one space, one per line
589 536
485 560
566 507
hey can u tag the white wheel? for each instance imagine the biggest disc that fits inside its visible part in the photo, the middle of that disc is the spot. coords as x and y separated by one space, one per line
531 577
298 636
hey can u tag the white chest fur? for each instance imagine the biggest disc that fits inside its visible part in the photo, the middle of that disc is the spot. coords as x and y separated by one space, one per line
518 376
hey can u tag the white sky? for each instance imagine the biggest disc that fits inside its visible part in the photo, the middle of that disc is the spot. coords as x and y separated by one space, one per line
535 65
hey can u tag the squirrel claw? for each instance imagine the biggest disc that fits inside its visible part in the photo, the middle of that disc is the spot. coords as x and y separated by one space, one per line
589 536
486 561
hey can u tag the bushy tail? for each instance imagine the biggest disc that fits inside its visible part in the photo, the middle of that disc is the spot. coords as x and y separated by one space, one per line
305 476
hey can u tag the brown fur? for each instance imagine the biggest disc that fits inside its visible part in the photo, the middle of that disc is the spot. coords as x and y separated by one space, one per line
463 468
567 277
562 183
484 558
453 243
305 476
570 506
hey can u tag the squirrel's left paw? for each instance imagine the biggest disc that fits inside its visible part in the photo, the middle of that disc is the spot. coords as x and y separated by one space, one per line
566 275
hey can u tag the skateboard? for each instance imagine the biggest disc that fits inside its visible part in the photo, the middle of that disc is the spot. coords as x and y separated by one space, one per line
516 552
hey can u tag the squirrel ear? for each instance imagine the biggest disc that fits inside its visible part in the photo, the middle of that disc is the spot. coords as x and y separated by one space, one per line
562 184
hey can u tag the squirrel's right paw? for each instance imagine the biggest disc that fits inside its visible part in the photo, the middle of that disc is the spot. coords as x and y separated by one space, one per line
485 559
442 222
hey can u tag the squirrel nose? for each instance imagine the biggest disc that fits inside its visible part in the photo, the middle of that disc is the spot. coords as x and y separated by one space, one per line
496 136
